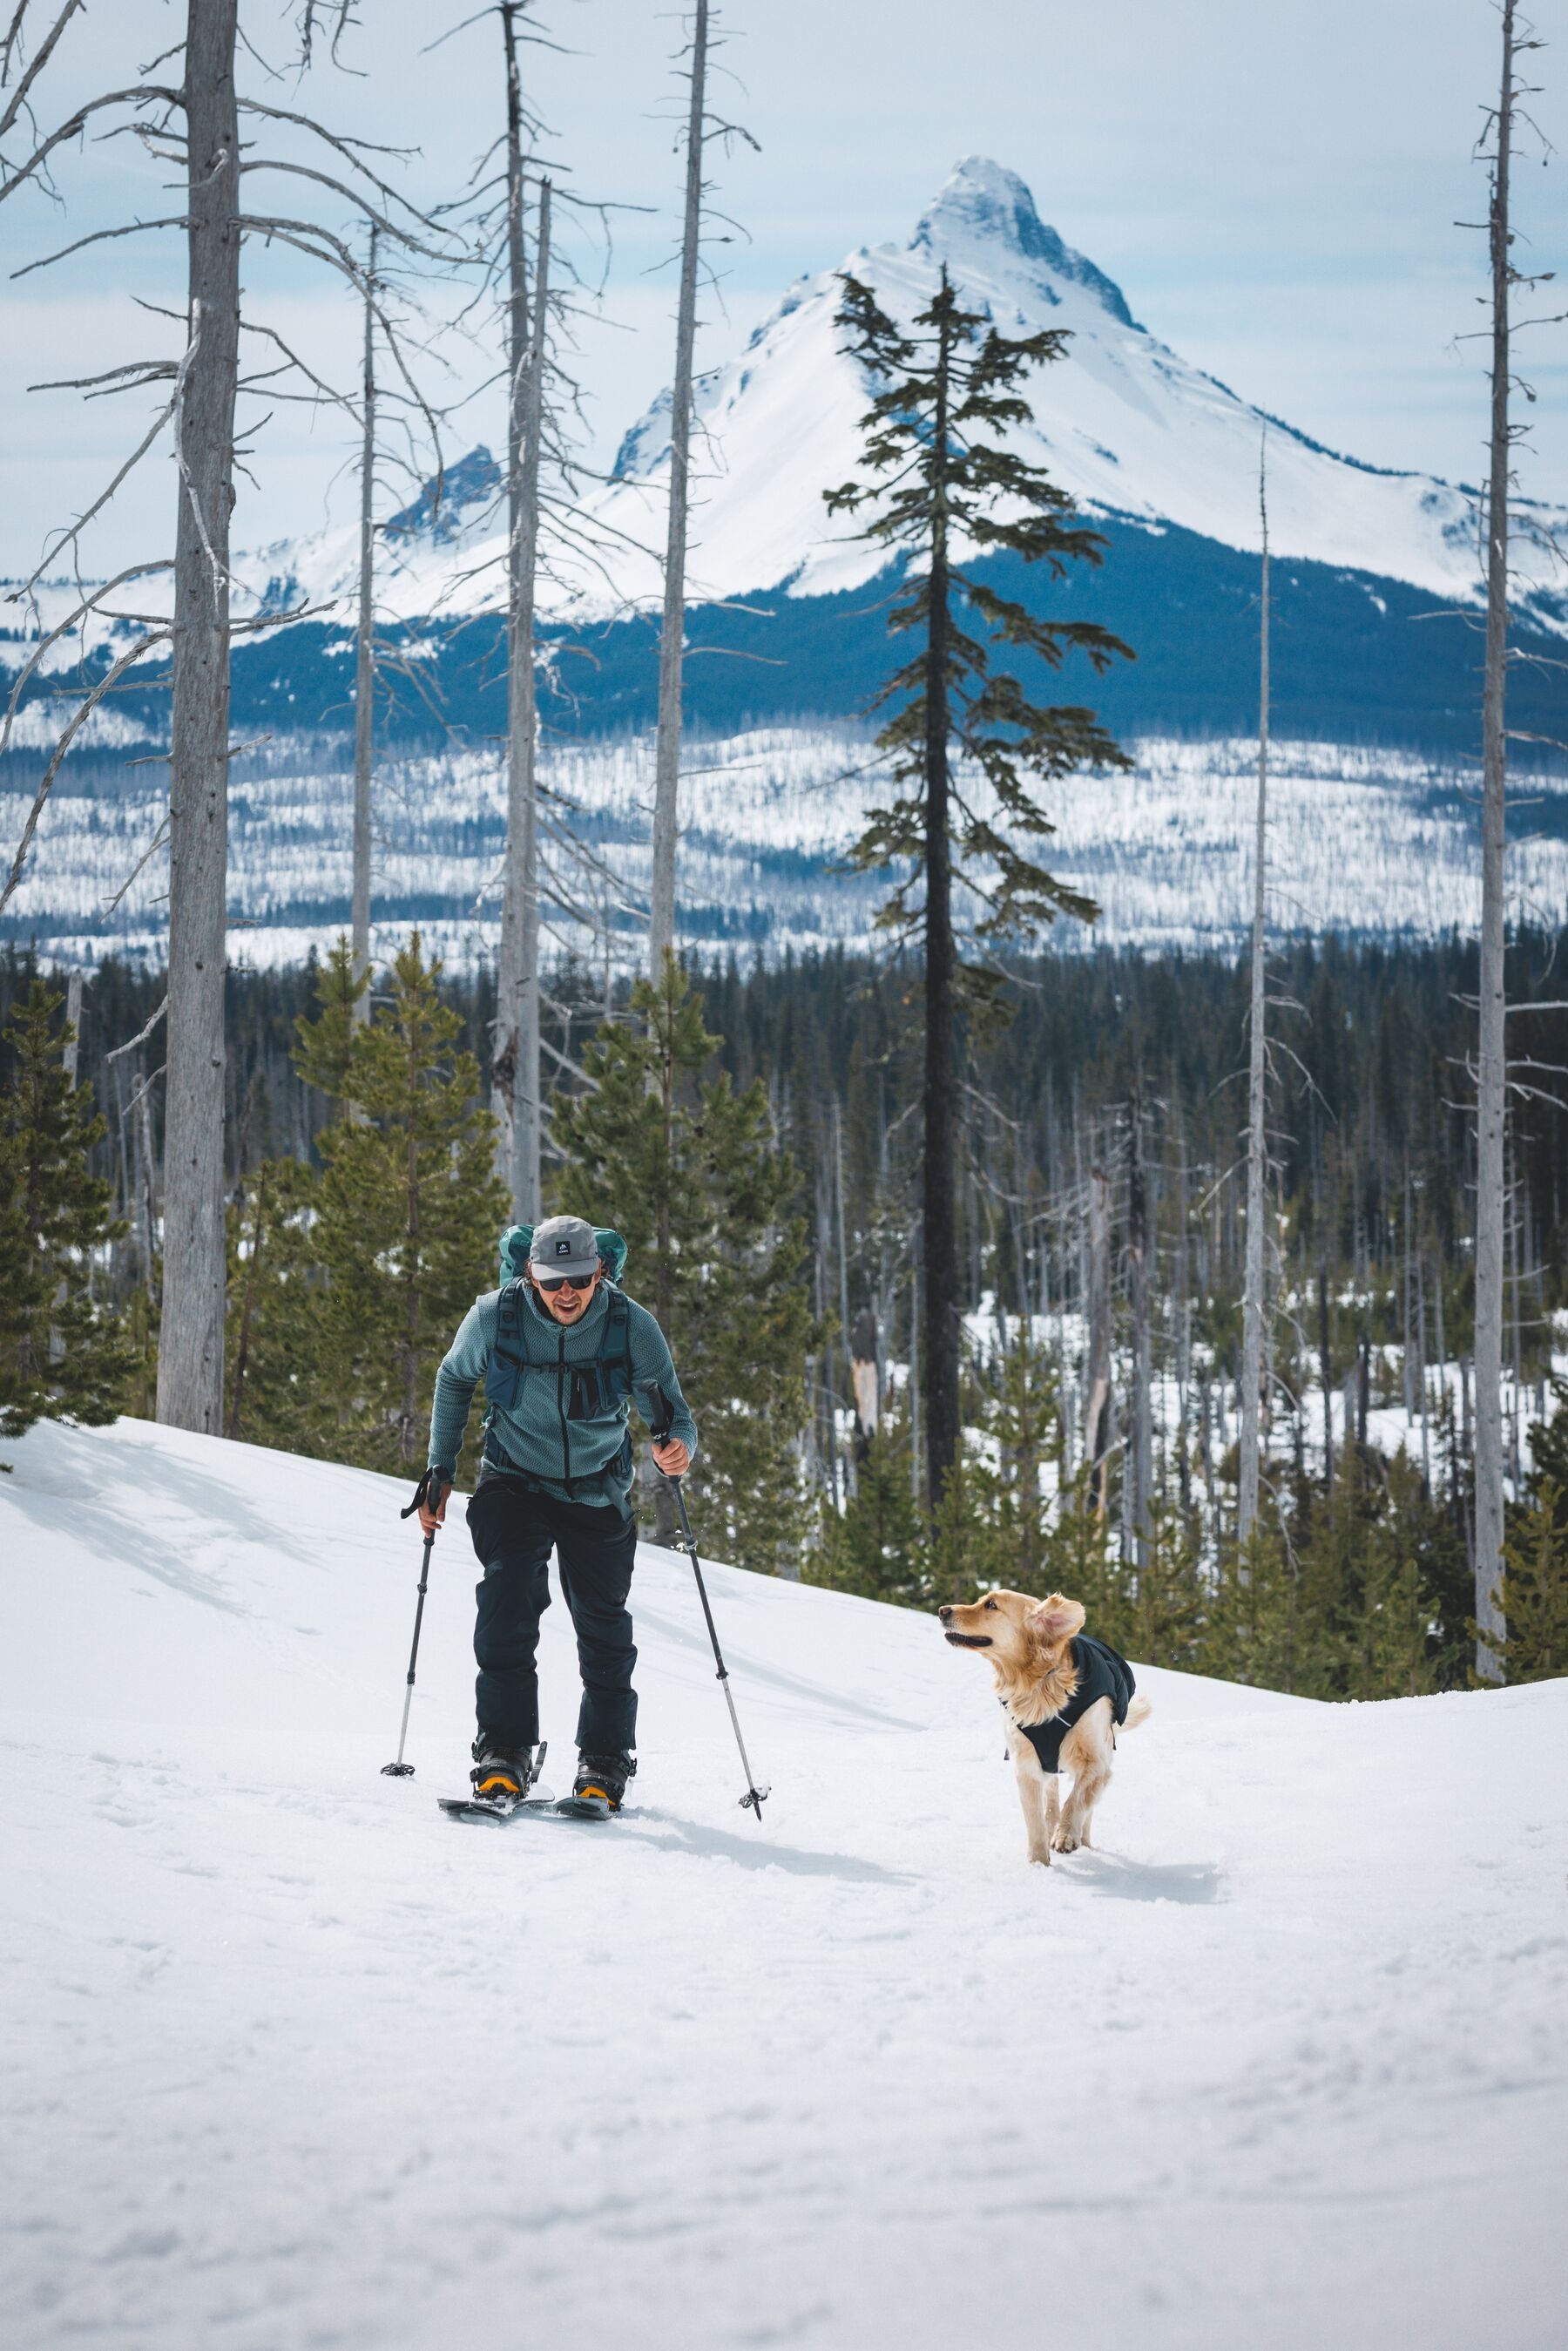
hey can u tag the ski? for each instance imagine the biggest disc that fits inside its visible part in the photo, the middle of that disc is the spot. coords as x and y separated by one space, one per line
584 1808
495 1807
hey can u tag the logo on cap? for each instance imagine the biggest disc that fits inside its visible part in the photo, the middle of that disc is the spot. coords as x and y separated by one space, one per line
563 1249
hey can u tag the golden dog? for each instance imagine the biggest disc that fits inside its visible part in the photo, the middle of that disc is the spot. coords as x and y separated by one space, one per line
1028 1644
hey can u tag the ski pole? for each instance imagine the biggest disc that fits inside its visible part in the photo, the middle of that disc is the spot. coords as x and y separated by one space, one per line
753 1799
400 1770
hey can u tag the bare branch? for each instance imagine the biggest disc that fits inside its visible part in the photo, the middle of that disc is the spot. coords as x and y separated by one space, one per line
361 203
136 572
46 49
68 536
77 720
69 130
98 237
145 857
142 1035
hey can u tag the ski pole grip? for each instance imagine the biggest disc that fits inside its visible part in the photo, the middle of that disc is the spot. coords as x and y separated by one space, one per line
660 1429
430 1483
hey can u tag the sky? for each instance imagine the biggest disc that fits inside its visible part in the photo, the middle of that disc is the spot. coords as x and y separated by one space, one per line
1274 189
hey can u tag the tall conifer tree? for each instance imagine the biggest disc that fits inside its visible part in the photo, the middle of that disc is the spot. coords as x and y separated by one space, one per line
62 1353
409 1209
688 1171
941 483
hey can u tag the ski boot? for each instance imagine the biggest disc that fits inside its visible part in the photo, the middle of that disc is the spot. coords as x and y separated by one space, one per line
504 1774
599 1786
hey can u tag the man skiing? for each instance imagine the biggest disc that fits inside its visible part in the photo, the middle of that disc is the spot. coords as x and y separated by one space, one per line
562 1353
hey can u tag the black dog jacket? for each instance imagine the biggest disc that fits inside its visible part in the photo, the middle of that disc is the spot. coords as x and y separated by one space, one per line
1101 1674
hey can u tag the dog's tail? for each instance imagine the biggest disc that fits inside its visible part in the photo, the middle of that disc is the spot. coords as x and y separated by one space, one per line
1139 1712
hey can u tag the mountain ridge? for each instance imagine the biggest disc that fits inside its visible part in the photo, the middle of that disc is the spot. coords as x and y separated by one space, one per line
1123 422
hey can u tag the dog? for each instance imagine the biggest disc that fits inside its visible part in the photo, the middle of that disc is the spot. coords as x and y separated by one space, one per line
1042 1668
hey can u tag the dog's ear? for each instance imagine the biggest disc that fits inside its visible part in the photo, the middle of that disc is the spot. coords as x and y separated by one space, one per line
1057 1619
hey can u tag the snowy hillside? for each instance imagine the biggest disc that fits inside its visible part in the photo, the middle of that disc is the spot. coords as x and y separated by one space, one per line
1123 422
292 2061
1365 843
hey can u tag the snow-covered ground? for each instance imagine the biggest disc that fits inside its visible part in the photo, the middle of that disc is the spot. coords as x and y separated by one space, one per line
1363 842
292 2060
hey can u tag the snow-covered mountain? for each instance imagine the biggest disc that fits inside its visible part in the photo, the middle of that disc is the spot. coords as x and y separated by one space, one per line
1124 423
291 2060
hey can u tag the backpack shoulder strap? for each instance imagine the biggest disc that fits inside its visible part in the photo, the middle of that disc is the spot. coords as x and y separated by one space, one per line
615 1345
509 1356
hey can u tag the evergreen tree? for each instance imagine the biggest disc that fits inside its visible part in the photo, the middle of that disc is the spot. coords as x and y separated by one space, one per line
1535 1557
407 1210
1534 1589
272 1386
64 1354
688 1170
942 479
877 1546
1020 1438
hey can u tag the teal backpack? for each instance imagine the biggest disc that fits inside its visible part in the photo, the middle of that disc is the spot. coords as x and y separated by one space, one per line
594 1387
519 1240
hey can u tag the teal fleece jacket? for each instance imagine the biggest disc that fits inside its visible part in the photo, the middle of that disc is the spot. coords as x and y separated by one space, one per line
574 1459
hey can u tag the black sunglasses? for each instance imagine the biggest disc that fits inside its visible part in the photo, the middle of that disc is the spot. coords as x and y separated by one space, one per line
564 1281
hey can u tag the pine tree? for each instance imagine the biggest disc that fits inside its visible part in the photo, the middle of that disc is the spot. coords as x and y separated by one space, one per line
1535 1557
407 1210
688 1171
62 1353
272 1388
938 482
1535 1589
1019 1437
877 1546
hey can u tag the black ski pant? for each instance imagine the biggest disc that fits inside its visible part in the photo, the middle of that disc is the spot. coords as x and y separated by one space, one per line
514 1529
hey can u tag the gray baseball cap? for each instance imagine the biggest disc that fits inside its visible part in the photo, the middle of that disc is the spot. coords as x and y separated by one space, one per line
563 1245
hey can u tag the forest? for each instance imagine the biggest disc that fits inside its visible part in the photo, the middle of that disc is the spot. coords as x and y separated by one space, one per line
1100 1149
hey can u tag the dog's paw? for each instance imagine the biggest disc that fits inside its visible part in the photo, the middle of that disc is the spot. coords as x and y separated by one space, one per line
1064 1841
1042 1855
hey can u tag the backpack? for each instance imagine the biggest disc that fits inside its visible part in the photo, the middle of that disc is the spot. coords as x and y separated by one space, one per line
518 1240
602 1384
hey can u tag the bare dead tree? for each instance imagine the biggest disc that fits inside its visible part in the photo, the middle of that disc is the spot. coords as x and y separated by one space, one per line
205 386
700 127
1141 1274
365 649
1492 1082
191 1339
667 755
1097 1336
517 1094
1254 1277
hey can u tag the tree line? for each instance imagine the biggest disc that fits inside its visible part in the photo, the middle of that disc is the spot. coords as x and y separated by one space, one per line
774 1206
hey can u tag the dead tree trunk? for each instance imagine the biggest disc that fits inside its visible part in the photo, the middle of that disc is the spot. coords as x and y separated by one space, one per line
1257 1086
940 1110
190 1341
365 661
667 755
519 923
1140 1463
71 1056
1491 1074
517 1091
1097 1347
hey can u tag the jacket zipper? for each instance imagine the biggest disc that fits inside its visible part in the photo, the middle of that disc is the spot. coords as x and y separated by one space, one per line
561 1408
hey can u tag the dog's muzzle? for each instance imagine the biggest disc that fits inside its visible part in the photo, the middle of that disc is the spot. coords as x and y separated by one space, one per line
960 1640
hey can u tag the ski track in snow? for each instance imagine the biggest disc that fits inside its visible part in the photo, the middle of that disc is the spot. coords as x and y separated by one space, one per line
292 2061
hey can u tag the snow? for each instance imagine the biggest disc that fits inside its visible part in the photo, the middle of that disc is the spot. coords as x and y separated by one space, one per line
1122 421
1364 842
292 2061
